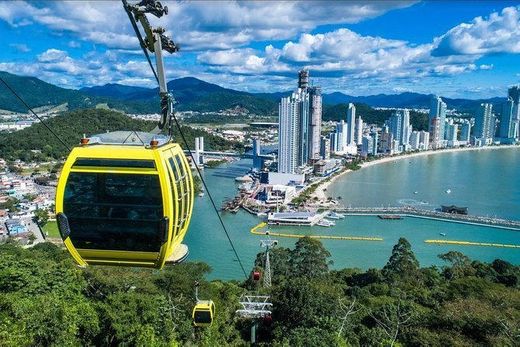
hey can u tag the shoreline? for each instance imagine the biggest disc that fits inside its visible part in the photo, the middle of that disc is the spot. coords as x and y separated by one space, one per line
322 188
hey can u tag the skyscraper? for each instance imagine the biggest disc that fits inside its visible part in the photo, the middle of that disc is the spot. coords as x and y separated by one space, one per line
436 121
289 133
315 122
507 123
342 131
299 126
351 124
484 124
358 135
399 126
325 147
510 118
465 131
414 140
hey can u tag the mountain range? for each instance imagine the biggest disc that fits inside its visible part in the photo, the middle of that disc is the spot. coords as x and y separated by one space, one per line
195 95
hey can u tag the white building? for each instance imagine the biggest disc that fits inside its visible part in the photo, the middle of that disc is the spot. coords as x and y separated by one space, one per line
399 125
484 125
351 124
290 131
436 122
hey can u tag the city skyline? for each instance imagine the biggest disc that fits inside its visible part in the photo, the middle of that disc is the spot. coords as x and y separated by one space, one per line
472 52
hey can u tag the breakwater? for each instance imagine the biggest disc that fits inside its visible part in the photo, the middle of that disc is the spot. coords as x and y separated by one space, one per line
430 214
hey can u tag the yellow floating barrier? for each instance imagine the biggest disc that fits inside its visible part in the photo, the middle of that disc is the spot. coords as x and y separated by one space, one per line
469 243
255 231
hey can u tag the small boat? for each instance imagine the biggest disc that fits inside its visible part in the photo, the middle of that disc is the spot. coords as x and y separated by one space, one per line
442 234
416 192
201 194
448 191
325 223
334 215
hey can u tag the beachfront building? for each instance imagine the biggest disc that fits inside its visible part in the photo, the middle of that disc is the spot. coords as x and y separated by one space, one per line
333 139
514 94
509 131
399 125
414 140
436 122
325 147
452 130
484 125
465 131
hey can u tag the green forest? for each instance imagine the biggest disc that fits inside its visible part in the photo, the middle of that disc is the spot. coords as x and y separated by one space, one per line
45 300
36 143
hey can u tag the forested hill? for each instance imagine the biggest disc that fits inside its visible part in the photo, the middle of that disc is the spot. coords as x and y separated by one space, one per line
46 300
37 143
190 93
193 94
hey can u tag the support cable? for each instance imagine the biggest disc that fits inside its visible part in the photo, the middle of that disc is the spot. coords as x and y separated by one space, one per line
178 126
34 113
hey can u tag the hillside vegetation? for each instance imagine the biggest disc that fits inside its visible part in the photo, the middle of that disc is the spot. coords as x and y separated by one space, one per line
47 300
37 143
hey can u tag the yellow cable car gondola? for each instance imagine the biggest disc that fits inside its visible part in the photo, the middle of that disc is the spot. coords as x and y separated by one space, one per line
204 310
203 313
125 198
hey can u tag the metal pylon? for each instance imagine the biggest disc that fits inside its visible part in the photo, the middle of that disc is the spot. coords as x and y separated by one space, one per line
267 244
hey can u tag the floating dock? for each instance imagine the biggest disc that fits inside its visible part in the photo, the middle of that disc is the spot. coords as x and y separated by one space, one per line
255 230
469 243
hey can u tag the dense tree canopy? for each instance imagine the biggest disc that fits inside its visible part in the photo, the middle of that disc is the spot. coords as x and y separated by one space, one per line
46 300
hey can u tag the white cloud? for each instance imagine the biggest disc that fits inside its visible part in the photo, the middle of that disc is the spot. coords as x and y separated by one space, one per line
500 33
486 66
51 55
196 24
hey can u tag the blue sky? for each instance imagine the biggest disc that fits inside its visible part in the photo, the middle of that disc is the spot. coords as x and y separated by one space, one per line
454 49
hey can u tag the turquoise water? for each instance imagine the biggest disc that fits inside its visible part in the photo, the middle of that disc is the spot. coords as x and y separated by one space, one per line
487 181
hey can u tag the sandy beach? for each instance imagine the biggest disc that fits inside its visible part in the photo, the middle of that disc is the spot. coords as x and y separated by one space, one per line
321 190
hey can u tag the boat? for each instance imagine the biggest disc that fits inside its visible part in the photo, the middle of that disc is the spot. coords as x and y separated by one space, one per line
325 223
334 215
201 194
416 192
448 191
454 209
442 234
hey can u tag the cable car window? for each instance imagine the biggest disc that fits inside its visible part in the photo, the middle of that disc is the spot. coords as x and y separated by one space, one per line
114 211
179 173
172 183
184 183
149 164
202 317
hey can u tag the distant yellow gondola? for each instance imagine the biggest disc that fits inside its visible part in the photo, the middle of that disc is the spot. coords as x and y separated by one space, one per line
203 313
125 198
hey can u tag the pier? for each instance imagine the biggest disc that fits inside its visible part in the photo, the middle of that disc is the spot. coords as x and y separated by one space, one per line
430 214
255 230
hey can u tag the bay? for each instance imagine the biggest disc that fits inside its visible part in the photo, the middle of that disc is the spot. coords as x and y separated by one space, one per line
486 181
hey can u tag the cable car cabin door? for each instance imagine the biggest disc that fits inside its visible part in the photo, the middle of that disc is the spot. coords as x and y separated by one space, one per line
115 211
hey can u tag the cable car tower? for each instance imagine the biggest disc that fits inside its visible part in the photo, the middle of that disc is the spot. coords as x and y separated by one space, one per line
267 243
257 307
